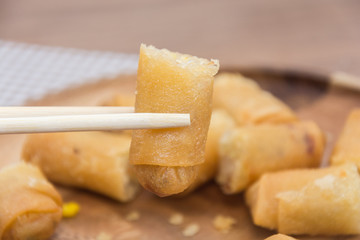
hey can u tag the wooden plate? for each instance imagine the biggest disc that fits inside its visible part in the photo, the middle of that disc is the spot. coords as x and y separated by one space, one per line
309 94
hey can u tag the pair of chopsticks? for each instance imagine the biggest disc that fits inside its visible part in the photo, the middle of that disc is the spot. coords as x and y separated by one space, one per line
69 119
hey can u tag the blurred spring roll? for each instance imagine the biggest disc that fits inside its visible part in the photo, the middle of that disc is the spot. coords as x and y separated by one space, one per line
250 151
30 207
308 201
347 148
96 161
166 161
247 103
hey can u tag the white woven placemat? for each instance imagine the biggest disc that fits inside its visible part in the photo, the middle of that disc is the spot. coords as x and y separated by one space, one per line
28 72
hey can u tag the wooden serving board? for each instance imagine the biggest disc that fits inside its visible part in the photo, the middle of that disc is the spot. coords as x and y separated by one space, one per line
310 95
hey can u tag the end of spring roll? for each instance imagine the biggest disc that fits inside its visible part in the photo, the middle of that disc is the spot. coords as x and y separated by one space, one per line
250 151
30 207
96 161
166 161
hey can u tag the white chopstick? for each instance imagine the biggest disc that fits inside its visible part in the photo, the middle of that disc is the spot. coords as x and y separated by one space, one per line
95 122
55 111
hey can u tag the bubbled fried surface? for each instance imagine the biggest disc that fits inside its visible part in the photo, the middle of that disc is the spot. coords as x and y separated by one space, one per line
165 181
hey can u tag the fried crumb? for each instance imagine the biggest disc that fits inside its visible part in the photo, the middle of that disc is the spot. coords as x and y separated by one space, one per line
103 236
190 230
133 216
223 223
176 219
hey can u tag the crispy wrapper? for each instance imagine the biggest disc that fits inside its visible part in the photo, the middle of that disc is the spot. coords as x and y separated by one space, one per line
280 236
166 161
347 148
30 207
308 201
96 161
250 151
247 103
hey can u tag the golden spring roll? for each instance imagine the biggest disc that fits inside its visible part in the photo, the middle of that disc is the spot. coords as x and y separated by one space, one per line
280 236
166 161
308 201
250 151
30 207
261 196
220 123
347 148
247 103
96 161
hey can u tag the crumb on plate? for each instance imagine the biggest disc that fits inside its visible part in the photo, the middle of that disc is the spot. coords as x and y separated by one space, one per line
190 230
133 216
103 236
223 223
176 219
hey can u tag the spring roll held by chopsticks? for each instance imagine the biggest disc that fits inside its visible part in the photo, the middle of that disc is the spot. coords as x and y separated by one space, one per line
250 151
247 103
308 201
30 207
166 161
96 161
347 148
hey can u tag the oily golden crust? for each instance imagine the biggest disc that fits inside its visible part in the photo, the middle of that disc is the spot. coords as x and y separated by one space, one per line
293 145
173 83
33 226
308 201
247 103
327 206
31 205
96 161
166 160
165 181
347 148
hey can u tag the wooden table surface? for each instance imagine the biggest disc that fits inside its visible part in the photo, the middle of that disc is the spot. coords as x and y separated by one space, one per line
322 35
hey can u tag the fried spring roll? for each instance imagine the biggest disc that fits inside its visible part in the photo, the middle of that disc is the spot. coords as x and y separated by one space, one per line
250 151
280 237
166 161
220 123
308 201
247 103
347 147
30 207
96 161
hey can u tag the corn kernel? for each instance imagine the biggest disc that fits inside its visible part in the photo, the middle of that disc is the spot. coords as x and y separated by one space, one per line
70 209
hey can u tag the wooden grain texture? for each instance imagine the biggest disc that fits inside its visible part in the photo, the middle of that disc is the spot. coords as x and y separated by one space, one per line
317 35
308 94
